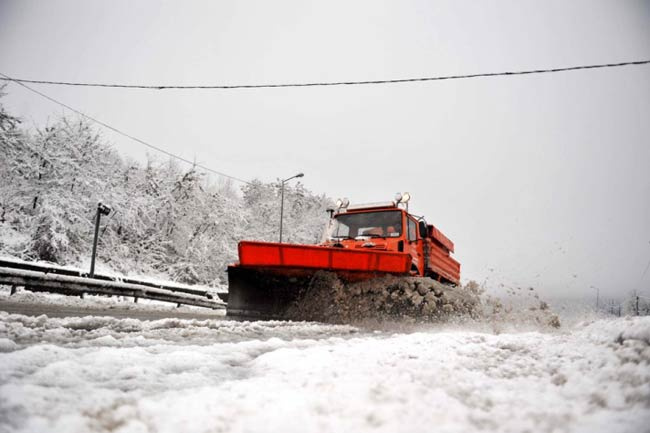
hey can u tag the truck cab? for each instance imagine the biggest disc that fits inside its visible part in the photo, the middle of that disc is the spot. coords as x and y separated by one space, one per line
389 227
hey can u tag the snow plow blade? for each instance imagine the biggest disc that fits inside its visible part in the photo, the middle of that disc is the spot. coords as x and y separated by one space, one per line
270 278
259 293
286 256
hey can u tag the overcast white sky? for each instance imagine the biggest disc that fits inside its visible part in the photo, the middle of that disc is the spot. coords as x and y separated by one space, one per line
540 180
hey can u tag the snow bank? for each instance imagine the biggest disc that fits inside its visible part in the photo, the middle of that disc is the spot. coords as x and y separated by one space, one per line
103 374
327 298
411 300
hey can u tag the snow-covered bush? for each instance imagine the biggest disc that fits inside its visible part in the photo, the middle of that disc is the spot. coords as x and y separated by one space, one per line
49 240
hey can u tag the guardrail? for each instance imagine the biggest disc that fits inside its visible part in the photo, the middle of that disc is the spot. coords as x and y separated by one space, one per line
54 269
41 278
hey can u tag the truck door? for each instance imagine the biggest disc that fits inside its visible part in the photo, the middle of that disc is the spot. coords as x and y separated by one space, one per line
414 247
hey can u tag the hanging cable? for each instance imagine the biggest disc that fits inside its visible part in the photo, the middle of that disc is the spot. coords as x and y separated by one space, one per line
124 134
332 83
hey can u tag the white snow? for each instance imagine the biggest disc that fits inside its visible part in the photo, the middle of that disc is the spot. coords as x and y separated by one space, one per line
99 374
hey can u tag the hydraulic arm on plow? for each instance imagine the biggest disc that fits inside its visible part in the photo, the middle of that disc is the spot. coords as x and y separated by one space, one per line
362 243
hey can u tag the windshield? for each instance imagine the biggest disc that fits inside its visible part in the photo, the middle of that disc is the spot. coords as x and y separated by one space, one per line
372 224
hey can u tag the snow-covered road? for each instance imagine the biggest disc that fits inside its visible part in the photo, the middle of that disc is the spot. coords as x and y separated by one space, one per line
125 375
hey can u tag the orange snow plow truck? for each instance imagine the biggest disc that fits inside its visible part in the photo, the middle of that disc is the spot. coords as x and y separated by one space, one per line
361 242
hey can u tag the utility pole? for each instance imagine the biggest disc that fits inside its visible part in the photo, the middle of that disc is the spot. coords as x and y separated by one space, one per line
282 200
597 296
101 210
637 305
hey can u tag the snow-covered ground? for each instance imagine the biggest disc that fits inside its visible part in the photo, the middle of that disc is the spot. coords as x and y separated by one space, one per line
97 374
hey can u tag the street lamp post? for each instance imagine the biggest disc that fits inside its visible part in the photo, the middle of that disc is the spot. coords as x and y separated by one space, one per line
282 200
102 209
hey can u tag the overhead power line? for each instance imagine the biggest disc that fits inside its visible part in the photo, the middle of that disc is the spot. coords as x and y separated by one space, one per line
332 83
124 134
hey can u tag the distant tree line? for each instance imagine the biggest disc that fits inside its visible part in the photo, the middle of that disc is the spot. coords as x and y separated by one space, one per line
167 219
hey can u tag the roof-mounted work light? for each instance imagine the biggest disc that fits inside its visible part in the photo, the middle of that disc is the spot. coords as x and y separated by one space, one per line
342 203
402 197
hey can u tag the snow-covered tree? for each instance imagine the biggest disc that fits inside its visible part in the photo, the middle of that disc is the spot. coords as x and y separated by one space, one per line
166 218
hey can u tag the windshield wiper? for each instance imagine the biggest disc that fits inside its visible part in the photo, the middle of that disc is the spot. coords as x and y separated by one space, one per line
371 235
340 237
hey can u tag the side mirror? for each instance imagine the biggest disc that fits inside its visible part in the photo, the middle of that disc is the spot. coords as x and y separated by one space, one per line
423 229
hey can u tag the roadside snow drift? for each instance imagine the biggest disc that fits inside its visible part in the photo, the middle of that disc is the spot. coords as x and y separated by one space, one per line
99 374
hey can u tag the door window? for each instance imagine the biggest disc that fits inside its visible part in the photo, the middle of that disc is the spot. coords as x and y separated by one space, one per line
412 230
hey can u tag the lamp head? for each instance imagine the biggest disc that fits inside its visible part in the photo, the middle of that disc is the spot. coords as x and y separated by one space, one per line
103 209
